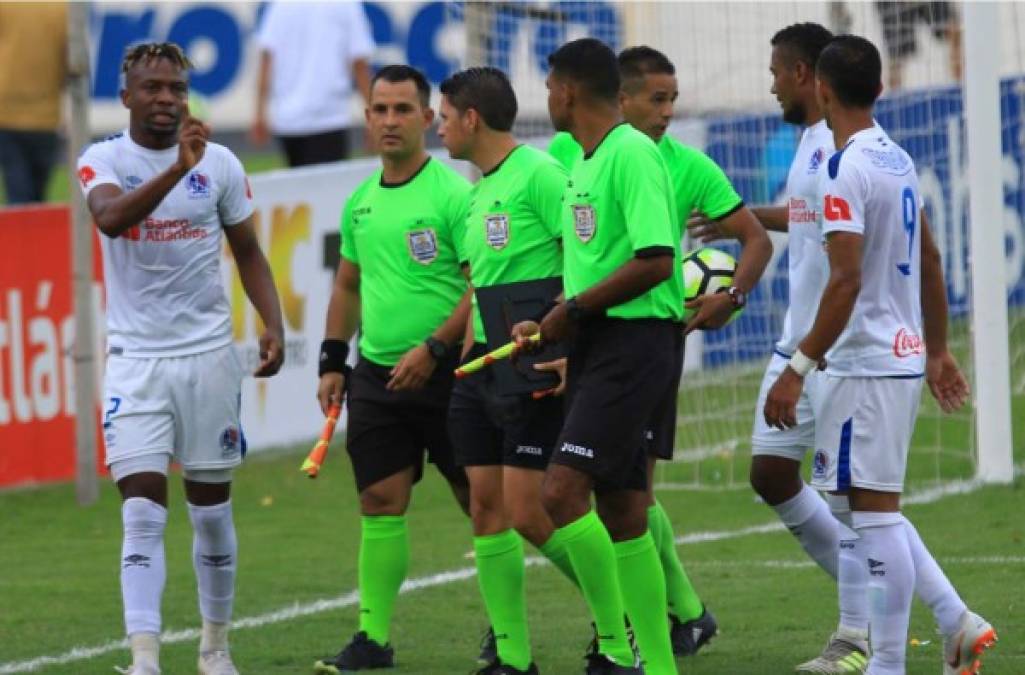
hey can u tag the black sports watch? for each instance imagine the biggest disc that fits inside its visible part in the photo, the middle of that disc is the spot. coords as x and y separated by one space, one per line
436 347
738 296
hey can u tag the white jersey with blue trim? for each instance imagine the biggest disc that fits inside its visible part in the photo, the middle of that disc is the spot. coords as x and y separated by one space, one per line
808 267
870 188
163 275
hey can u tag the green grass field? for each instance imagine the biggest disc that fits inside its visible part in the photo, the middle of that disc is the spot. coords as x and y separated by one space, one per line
298 545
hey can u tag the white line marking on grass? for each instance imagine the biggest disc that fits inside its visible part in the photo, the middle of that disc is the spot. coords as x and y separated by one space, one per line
802 564
351 598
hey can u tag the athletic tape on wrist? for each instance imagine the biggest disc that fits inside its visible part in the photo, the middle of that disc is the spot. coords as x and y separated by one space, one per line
801 364
332 357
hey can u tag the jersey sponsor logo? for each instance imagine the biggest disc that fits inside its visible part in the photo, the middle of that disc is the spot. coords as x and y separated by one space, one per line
86 174
133 233
819 464
906 344
816 160
198 185
496 229
800 213
577 450
229 441
423 245
169 229
584 222
836 208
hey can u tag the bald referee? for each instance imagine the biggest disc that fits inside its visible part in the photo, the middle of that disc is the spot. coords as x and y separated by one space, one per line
399 281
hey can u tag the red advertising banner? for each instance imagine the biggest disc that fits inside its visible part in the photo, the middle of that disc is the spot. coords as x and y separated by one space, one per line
37 331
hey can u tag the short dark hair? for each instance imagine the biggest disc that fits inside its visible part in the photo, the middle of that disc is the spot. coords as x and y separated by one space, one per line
148 51
636 62
853 68
591 63
402 73
806 40
486 90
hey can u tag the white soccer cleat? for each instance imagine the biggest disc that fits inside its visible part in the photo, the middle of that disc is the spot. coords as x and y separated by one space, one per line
216 663
962 651
841 655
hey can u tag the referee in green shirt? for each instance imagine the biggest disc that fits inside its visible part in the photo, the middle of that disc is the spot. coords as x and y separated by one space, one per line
401 233
648 92
621 320
513 234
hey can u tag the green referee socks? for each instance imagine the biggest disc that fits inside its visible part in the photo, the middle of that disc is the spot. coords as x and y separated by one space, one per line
383 562
684 602
555 550
644 596
500 572
594 561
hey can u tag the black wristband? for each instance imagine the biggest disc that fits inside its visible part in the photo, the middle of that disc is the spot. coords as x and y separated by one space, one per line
549 306
332 357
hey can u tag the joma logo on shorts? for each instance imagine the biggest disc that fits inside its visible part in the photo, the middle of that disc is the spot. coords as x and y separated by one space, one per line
529 450
578 450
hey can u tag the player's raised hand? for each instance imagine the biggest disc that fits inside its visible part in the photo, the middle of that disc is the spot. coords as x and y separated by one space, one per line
558 366
192 137
704 229
330 390
272 354
946 381
413 370
713 311
781 404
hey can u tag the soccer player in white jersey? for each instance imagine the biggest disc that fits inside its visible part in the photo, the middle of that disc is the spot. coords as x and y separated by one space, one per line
162 194
868 329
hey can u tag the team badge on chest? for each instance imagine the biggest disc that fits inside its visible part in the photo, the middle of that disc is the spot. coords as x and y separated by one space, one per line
496 229
584 222
423 245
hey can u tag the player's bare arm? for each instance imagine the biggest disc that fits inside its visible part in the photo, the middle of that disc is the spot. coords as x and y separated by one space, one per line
704 229
254 271
945 379
343 312
415 367
115 210
714 310
835 309
259 133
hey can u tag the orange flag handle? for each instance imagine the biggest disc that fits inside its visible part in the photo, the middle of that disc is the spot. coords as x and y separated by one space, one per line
311 465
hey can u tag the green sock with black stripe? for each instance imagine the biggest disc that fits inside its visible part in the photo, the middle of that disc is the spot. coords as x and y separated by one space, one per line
644 596
500 573
684 602
383 563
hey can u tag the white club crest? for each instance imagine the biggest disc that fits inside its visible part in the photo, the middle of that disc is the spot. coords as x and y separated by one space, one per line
423 245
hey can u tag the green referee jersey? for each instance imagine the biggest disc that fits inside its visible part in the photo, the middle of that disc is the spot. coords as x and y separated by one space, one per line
406 239
697 181
619 205
514 223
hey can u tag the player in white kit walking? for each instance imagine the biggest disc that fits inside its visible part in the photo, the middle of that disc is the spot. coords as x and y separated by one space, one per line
868 328
162 195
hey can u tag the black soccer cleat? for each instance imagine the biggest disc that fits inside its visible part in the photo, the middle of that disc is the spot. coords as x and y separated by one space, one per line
488 648
361 653
599 664
690 636
496 667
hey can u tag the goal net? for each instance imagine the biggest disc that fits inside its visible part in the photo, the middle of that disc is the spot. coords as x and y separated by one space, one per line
721 52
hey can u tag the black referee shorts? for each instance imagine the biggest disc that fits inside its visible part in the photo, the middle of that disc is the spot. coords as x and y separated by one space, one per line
660 437
619 372
488 428
390 431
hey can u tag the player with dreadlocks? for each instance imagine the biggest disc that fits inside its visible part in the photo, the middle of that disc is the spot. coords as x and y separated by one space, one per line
162 195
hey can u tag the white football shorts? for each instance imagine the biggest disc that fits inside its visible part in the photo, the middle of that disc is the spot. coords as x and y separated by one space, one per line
792 443
863 431
187 407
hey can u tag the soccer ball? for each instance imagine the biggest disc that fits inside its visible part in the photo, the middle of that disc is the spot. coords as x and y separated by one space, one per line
706 270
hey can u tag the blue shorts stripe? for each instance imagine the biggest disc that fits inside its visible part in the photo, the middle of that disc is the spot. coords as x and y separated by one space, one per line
843 468
781 353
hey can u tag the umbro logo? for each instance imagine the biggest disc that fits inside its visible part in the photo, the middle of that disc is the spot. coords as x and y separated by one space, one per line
136 560
216 560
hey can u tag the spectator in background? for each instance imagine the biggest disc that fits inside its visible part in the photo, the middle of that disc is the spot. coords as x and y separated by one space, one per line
33 69
311 56
900 21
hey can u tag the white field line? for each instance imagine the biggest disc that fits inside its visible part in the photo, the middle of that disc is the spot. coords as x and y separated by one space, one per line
351 598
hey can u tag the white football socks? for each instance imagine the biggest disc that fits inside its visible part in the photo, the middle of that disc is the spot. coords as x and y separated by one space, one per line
933 586
807 517
891 587
214 552
852 584
143 570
